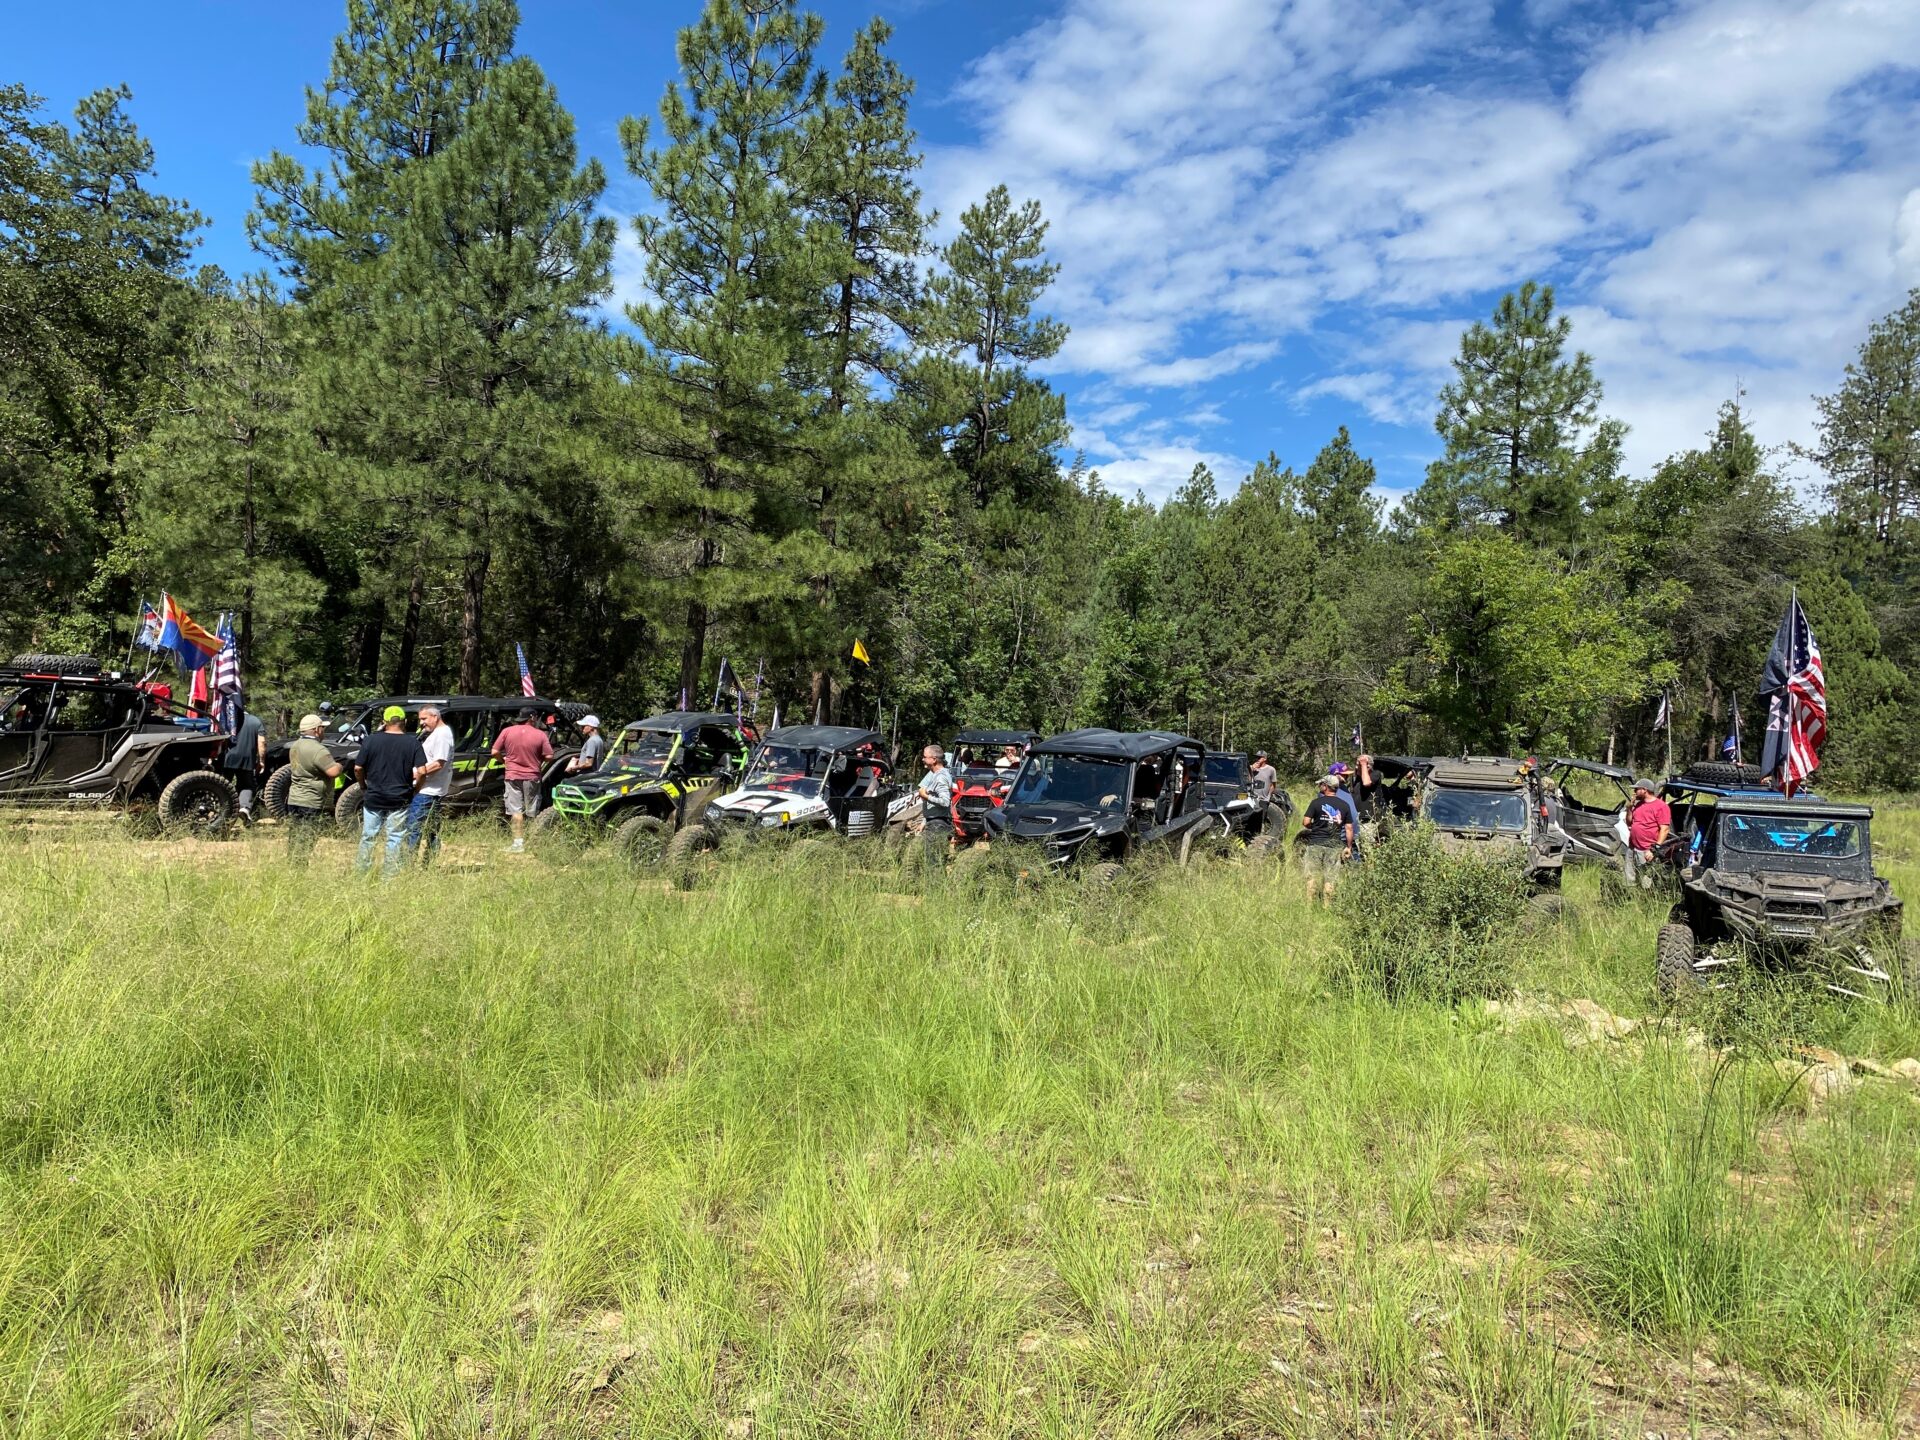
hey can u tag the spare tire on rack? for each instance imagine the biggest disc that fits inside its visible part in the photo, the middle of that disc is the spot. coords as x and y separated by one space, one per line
1722 772
57 664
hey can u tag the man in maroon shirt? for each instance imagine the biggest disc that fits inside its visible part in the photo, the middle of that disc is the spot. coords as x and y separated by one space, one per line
526 749
1649 822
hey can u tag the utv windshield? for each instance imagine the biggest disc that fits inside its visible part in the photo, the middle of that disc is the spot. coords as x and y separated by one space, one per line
788 768
1222 770
1071 780
1791 835
645 752
1477 810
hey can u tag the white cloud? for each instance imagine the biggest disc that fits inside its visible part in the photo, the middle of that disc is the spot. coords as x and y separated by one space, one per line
1723 194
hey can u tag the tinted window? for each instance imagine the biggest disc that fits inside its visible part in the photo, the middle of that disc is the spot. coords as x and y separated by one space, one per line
1071 780
1477 809
1790 835
1223 770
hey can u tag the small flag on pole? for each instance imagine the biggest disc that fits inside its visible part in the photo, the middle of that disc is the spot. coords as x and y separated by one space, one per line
147 635
526 675
1355 739
226 677
860 652
192 645
1663 717
724 682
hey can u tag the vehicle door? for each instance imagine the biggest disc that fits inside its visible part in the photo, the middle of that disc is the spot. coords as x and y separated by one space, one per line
707 765
23 735
1589 804
478 777
83 730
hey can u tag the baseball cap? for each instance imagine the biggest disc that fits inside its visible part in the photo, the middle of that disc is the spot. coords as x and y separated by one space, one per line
592 722
1645 785
393 713
1339 767
1331 782
312 722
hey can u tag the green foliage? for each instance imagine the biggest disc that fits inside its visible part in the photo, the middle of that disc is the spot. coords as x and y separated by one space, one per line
1421 920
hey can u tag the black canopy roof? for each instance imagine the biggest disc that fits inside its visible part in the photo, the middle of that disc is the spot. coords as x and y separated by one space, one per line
1612 772
684 720
1116 744
994 737
826 737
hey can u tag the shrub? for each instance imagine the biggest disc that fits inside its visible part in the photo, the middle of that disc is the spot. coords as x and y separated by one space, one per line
1422 921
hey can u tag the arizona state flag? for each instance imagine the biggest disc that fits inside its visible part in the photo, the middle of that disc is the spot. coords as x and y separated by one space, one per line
860 652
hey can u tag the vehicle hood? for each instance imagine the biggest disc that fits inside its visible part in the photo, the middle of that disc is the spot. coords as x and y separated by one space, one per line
610 782
757 802
1044 821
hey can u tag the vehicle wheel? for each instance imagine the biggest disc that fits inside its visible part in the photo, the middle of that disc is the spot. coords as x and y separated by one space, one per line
1261 847
550 831
196 803
1106 874
684 852
644 839
1673 972
346 810
273 795
57 664
1544 909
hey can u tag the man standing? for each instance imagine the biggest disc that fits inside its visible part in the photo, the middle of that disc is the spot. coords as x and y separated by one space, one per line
1261 785
1329 840
936 801
592 749
430 788
390 762
310 791
526 749
1649 824
245 757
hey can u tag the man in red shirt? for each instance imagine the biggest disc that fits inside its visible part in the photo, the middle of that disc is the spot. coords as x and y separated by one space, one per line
526 749
1649 822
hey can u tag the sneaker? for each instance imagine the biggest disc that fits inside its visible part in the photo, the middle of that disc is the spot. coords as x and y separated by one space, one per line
517 847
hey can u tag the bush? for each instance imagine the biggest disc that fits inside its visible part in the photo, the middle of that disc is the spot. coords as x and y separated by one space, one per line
1420 920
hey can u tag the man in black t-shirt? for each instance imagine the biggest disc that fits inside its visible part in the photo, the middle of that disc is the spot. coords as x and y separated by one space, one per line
388 768
1329 827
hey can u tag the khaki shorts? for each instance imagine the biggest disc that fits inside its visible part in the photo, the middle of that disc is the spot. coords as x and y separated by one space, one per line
1323 862
523 797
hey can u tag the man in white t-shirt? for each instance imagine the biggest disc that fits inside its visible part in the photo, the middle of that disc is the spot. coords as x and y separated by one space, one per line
430 784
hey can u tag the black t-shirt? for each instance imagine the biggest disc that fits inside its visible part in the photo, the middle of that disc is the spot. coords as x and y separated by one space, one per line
389 760
1326 821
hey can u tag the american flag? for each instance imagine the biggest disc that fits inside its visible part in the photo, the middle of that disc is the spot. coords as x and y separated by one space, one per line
526 675
1794 685
226 676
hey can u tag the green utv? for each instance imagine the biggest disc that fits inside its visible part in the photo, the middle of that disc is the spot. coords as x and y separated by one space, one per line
660 775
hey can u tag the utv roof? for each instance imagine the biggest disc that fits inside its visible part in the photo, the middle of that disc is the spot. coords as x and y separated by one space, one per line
1772 802
681 720
1612 772
826 737
1116 744
971 736
1476 772
1393 767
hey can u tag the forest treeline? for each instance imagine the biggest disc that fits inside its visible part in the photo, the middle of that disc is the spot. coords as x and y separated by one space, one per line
415 439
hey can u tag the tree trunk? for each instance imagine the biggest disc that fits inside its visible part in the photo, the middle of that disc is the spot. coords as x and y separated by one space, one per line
249 539
410 627
693 653
472 600
367 644
820 698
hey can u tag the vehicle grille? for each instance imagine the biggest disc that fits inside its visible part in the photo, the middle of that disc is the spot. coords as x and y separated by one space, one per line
1795 909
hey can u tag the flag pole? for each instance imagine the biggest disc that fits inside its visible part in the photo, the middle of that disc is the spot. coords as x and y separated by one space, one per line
1668 707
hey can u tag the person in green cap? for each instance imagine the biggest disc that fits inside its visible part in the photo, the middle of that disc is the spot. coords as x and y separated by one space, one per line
388 767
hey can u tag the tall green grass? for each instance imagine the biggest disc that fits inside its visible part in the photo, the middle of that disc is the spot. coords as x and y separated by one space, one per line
515 1148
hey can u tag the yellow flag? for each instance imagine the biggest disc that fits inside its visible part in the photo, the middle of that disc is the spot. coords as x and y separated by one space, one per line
860 652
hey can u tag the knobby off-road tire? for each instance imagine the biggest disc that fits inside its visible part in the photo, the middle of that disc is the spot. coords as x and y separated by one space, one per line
1262 848
682 860
643 839
1106 874
1673 973
545 830
346 810
273 795
196 803
1544 909
40 664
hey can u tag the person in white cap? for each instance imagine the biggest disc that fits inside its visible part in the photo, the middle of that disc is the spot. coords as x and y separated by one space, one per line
310 791
591 749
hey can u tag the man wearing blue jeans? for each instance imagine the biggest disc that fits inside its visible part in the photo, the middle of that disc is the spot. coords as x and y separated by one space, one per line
423 813
388 767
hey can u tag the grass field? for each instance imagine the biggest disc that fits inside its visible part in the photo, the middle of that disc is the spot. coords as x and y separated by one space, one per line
512 1148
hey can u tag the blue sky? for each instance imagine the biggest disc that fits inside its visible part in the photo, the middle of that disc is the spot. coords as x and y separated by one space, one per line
1273 217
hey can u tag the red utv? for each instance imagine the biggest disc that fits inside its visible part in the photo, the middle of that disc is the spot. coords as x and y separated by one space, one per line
984 764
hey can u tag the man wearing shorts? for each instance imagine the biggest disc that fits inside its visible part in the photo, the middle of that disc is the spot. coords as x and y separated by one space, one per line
1329 839
526 749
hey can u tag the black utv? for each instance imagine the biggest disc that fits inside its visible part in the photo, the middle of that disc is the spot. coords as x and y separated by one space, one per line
1783 883
1227 795
479 780
1587 806
1098 799
660 774
74 735
1492 804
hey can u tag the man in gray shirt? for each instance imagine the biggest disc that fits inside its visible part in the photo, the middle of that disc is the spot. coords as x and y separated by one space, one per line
936 800
592 749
